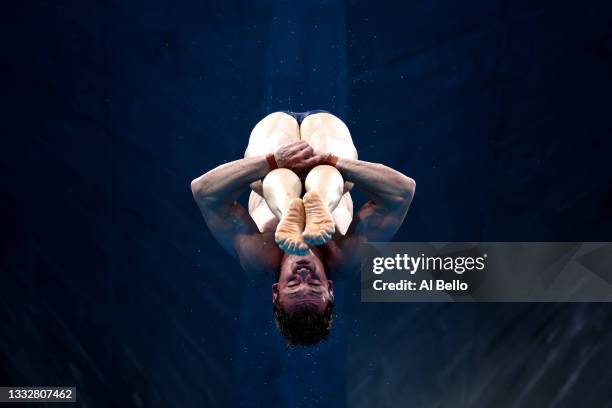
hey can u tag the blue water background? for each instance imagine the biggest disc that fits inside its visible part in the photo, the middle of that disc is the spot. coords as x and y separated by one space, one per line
500 110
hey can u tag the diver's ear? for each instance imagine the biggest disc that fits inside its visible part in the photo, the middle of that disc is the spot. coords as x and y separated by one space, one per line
330 287
274 292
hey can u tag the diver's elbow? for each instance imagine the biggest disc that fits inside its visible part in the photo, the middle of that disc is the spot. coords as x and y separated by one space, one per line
402 193
407 189
197 190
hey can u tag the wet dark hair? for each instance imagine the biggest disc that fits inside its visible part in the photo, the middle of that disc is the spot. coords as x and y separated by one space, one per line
304 327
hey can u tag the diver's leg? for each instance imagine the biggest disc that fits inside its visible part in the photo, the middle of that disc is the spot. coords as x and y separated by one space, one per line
343 214
282 189
260 212
327 133
327 202
275 129
328 183
324 188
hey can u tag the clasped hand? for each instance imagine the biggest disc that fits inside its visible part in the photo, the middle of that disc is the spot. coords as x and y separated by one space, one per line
298 157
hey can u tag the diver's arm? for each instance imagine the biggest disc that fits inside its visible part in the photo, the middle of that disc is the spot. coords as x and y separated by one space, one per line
390 193
216 193
383 185
222 185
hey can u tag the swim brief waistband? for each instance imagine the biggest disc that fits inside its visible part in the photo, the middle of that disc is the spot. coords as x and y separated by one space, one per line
300 116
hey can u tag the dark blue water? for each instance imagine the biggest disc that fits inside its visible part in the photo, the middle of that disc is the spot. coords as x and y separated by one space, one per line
500 110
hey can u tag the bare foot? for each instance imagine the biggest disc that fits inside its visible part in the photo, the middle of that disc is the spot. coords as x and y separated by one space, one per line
289 230
320 225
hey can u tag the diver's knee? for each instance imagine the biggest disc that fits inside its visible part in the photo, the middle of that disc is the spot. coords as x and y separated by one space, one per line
324 177
324 119
284 177
273 130
282 121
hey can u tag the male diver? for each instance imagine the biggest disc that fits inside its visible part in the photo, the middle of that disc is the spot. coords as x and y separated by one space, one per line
302 240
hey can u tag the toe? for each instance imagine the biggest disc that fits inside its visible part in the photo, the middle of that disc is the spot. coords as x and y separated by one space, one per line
297 251
285 246
315 239
312 239
291 246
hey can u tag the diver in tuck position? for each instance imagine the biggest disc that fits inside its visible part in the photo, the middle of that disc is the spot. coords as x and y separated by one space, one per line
302 240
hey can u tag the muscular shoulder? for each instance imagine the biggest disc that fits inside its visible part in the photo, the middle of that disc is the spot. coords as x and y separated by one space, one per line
259 254
342 254
371 223
377 223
